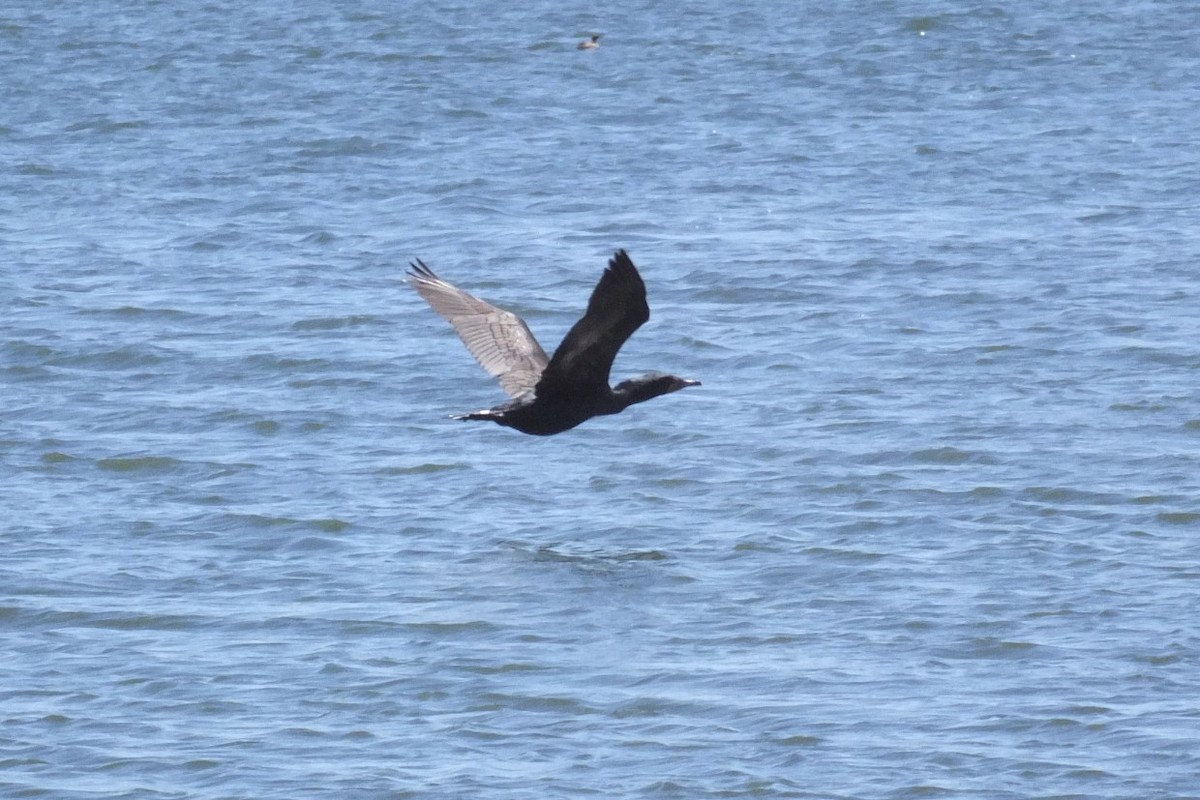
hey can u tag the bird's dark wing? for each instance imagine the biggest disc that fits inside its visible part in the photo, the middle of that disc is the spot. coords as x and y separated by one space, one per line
500 340
617 308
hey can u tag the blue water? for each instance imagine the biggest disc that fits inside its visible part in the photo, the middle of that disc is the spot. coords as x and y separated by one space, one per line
929 528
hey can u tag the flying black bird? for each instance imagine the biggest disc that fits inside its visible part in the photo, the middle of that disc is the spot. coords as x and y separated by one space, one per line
551 395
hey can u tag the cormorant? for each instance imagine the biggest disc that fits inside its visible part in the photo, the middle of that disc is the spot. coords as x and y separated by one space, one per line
551 395
591 44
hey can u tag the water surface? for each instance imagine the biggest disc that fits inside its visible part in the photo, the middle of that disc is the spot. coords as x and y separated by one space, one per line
927 530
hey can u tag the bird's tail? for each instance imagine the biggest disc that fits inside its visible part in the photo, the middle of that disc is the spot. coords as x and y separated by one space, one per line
487 413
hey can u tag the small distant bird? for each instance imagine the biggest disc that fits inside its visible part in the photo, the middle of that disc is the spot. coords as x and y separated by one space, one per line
552 395
589 44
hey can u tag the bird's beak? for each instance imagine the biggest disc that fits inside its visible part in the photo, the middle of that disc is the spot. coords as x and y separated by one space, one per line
687 382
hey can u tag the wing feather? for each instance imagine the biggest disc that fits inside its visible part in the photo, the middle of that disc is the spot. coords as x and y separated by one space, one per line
617 308
500 340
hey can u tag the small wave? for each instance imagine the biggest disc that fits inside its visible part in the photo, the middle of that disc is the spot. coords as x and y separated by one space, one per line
139 464
1179 517
944 455
267 522
105 125
420 469
334 323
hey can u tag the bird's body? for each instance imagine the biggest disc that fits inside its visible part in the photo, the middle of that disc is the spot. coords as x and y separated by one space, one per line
553 394
589 44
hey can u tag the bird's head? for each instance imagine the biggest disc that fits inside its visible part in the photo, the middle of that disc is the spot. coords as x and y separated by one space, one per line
644 387
675 383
